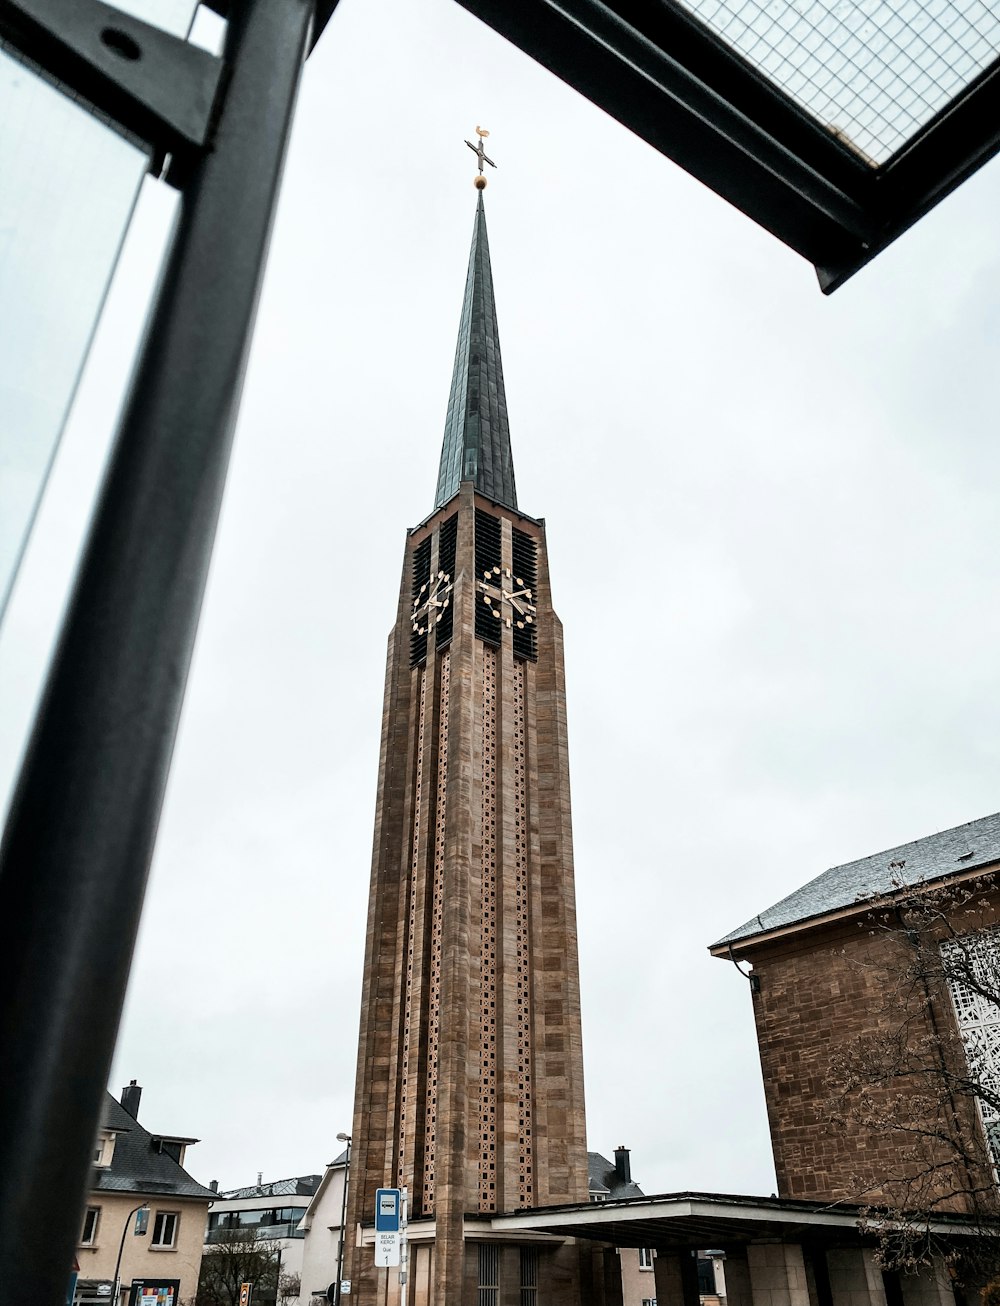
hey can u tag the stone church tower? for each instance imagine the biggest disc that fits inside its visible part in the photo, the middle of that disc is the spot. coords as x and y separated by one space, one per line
470 1068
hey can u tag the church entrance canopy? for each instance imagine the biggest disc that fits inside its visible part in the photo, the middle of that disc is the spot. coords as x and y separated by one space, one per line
678 1221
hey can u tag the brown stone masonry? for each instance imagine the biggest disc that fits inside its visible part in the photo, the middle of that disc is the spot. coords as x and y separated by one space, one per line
470 1067
820 988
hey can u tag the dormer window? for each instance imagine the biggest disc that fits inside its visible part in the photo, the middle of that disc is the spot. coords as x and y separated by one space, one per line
104 1148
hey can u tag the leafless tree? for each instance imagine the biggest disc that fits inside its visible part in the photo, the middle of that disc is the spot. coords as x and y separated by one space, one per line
234 1257
923 1081
289 1287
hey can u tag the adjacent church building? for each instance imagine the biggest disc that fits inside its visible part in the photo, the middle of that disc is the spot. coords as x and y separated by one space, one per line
876 994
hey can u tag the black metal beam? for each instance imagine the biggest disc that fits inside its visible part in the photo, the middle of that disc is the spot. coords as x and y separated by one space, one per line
150 84
946 152
667 77
79 839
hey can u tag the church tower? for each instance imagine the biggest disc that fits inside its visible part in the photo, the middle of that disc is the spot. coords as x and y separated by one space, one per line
470 1066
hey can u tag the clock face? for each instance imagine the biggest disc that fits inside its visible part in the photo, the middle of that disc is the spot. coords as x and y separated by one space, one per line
430 603
508 598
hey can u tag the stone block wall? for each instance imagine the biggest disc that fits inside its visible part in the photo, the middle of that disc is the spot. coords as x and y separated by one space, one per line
819 990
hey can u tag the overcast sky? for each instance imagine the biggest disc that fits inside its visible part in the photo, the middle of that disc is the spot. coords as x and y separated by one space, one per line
772 531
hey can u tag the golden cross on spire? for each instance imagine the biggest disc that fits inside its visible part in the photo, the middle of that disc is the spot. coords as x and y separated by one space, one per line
480 153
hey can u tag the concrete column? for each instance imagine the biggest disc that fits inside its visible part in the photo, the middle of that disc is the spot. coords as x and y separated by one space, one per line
778 1275
688 1263
420 1275
667 1277
738 1289
929 1287
855 1277
612 1270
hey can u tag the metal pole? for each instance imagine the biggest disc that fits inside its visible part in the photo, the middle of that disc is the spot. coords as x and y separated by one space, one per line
78 844
121 1250
343 1216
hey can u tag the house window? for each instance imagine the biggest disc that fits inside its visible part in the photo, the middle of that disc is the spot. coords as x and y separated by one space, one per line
645 1258
104 1149
89 1235
706 1276
165 1229
649 1301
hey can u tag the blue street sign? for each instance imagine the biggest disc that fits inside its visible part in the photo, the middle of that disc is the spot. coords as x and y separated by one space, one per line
387 1210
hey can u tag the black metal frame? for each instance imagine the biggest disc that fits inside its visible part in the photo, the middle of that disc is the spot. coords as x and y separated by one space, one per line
79 837
142 81
669 79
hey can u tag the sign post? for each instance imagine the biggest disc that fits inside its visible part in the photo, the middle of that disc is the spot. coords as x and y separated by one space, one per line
404 1250
388 1212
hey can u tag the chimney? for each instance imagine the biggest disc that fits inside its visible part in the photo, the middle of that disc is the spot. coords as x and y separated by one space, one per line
622 1167
130 1099
214 1185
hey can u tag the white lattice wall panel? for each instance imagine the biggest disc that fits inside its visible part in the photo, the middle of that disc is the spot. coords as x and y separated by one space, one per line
972 967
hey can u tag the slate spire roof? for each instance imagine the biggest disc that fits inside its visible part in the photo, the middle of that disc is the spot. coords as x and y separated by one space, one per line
476 437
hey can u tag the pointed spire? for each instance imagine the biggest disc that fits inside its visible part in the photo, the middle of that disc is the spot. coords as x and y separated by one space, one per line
476 437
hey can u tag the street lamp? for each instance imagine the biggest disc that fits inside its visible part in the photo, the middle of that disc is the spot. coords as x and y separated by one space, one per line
343 1138
143 1206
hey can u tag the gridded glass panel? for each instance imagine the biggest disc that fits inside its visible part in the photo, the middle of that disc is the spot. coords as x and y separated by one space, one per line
872 71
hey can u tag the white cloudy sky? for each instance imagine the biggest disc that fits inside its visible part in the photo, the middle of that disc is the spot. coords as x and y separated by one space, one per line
772 529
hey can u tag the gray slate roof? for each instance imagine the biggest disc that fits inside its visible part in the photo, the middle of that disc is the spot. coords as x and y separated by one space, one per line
298 1186
137 1165
602 1178
966 847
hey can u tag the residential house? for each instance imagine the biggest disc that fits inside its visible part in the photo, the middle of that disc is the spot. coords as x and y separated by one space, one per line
136 1172
322 1225
271 1212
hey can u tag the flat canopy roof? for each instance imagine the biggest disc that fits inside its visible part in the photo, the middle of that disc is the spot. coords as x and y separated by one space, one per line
696 1220
835 126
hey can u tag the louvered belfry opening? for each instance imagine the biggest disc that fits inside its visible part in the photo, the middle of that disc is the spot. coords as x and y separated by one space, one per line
447 547
489 537
524 559
421 578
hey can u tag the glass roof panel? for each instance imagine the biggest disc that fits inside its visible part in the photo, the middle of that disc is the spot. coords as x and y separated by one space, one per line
873 72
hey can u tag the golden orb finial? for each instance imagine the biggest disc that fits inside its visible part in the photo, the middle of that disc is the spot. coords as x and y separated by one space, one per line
479 182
